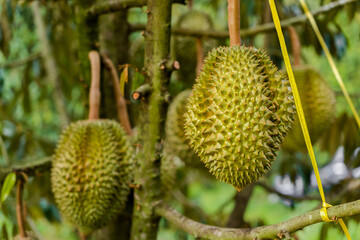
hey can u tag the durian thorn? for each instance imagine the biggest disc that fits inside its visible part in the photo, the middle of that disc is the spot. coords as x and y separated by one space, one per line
94 95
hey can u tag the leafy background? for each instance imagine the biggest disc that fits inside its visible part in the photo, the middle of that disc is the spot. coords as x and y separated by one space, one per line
30 125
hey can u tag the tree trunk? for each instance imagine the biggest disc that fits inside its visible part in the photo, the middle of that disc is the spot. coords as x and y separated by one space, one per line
152 119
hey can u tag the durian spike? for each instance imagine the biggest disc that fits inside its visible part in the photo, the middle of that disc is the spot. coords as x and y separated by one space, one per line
295 45
234 22
94 95
120 100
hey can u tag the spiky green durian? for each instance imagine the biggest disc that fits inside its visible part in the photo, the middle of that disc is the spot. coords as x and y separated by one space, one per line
238 114
184 48
91 172
175 139
319 104
30 236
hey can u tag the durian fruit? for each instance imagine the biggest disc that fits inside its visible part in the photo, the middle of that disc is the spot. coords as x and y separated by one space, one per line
30 236
239 112
319 104
175 139
175 145
91 171
184 48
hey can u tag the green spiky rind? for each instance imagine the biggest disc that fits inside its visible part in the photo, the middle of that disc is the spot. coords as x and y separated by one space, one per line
30 236
238 114
91 170
184 48
175 139
175 144
319 104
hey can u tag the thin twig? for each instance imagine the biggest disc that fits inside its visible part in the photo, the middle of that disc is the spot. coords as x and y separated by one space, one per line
20 207
234 22
270 231
267 27
52 70
120 100
290 197
21 62
118 5
28 167
94 95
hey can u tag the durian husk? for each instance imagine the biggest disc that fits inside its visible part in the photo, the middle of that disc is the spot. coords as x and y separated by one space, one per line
319 105
240 110
175 145
91 171
184 48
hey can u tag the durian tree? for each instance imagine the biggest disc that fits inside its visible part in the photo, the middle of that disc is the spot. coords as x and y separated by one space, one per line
112 111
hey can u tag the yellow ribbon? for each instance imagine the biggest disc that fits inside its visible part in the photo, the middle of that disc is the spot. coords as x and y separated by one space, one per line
330 60
300 112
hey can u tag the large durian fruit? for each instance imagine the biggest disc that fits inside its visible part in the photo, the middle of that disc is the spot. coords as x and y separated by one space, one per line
184 47
91 171
239 112
319 104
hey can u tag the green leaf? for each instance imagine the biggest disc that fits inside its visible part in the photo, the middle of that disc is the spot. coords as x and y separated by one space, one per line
7 186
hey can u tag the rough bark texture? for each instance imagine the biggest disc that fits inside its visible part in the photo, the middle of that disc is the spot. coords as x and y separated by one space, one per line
151 127
270 231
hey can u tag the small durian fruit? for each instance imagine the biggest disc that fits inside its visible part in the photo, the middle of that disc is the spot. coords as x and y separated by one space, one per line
319 103
30 236
175 139
239 112
91 171
175 145
184 48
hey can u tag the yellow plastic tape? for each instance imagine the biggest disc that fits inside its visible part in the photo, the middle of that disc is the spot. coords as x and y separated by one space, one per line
330 59
300 112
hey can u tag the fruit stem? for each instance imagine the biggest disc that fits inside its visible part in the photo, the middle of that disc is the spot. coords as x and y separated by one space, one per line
94 95
234 22
295 45
120 100
19 206
83 236
199 54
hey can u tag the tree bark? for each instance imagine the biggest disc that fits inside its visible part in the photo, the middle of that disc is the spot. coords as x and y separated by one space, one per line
152 119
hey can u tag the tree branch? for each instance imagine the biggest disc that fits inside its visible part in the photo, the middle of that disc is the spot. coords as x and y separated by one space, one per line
270 231
18 63
117 5
29 168
52 70
290 197
267 27
20 207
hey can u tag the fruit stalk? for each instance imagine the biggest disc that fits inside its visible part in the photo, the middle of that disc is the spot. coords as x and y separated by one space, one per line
120 100
20 208
234 22
94 96
295 45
